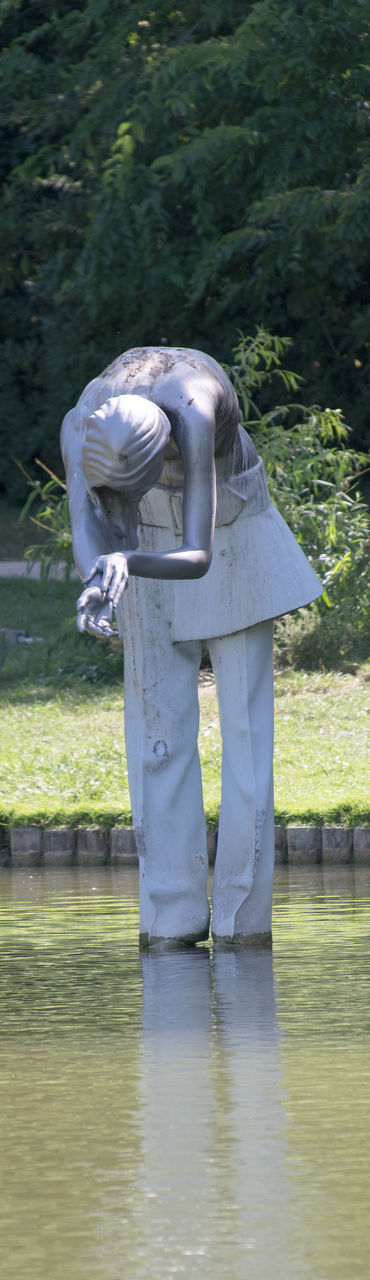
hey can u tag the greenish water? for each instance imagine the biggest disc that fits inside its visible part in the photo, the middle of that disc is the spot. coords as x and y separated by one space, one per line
192 1114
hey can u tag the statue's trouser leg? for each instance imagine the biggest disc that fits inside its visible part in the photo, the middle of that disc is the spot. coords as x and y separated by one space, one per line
242 886
161 724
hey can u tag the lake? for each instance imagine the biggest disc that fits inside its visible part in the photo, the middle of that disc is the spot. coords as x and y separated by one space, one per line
192 1114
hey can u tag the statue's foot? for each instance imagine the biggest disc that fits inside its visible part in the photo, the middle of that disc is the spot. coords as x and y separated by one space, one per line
173 944
224 942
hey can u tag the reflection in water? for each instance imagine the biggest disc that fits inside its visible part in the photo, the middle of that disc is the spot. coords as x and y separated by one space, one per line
323 968
70 1127
185 1113
212 1114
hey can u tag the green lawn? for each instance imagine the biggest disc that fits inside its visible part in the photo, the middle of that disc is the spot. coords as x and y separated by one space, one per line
62 757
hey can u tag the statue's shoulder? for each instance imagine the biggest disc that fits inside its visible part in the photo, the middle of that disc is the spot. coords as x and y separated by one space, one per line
160 374
142 370
138 362
147 370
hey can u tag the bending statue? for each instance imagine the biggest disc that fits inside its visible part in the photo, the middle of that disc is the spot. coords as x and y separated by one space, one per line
174 529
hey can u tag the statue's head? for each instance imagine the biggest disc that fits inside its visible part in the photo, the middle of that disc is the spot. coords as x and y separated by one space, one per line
124 445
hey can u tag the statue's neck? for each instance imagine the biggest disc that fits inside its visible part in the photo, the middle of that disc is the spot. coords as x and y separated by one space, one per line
121 515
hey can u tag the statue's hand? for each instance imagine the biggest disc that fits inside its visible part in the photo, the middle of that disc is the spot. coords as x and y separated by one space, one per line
108 579
94 613
112 571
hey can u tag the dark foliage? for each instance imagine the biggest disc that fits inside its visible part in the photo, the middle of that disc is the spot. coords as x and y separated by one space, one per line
177 175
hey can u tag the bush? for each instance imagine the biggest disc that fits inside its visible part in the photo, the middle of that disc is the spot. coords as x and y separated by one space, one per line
52 519
314 479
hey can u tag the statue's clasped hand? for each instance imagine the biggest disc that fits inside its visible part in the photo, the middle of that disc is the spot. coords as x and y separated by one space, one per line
104 586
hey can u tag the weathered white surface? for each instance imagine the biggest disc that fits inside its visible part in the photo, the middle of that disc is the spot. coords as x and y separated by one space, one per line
244 867
161 720
161 723
258 570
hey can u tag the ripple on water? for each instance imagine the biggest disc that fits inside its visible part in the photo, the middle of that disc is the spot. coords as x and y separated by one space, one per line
183 1114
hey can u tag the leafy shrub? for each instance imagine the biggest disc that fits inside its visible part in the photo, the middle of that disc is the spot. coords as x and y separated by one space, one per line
52 518
314 479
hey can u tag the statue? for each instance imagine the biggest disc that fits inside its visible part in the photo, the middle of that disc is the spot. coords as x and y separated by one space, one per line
174 529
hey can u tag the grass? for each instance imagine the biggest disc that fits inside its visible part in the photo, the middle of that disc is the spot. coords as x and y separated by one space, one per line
62 758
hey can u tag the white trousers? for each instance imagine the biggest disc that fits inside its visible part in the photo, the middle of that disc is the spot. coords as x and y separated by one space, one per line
161 726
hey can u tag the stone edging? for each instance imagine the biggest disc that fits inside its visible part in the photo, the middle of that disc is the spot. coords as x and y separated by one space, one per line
85 846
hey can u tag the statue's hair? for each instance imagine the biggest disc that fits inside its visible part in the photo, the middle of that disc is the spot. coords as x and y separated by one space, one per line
122 439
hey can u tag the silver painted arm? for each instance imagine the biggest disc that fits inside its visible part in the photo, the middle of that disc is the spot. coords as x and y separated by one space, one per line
106 573
194 436
89 537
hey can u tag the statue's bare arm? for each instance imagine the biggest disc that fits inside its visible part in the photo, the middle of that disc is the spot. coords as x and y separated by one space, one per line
88 534
106 573
194 437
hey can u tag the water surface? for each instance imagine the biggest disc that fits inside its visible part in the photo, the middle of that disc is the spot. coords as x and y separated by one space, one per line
196 1114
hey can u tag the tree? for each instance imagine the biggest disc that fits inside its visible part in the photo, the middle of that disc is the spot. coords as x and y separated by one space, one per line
176 175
